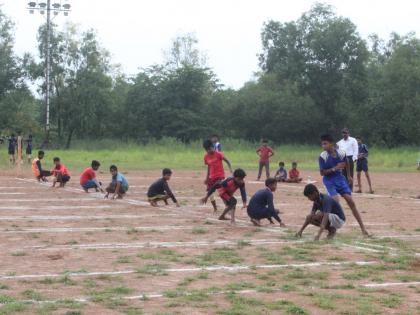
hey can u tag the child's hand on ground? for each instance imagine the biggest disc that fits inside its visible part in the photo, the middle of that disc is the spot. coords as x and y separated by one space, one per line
204 200
282 225
316 238
244 206
298 234
178 205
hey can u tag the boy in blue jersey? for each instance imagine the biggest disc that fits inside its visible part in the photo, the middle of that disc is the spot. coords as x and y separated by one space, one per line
326 213
332 162
261 205
119 185
216 143
362 165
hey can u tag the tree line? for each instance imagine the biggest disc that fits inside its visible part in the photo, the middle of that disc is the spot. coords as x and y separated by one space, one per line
317 74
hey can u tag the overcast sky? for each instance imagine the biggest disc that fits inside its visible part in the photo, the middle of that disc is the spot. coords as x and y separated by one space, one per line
136 32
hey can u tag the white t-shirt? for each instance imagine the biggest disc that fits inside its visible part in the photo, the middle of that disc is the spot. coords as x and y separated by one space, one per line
349 146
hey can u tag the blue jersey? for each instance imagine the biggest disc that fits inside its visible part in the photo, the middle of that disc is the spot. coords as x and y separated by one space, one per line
363 151
217 147
327 161
326 204
121 179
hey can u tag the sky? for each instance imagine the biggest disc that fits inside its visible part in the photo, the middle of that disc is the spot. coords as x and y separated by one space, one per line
137 32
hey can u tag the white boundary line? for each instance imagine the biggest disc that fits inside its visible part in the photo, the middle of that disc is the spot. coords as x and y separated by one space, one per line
81 217
23 208
105 228
152 244
389 284
196 269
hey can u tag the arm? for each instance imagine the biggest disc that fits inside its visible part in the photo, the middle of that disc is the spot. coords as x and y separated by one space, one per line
243 195
347 166
322 227
271 153
306 223
38 164
270 205
228 164
98 184
338 167
170 193
117 189
207 176
355 150
213 189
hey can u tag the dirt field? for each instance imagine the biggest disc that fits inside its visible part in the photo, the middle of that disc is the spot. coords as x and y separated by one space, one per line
68 252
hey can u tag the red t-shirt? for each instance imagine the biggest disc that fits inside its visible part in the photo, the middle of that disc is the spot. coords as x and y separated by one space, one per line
61 169
264 153
294 173
215 163
88 174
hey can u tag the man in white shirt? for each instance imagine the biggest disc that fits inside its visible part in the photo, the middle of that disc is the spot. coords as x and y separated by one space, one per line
349 145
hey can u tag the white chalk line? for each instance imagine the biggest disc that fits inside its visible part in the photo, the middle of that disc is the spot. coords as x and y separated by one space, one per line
23 208
13 193
151 244
110 228
56 200
81 217
231 268
390 284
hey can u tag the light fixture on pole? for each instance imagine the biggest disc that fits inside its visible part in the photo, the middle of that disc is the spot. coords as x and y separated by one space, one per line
56 7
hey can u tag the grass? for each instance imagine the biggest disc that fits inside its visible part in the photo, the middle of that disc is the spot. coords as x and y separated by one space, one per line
190 156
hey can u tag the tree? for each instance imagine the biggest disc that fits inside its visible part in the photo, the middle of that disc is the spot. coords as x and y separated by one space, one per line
324 56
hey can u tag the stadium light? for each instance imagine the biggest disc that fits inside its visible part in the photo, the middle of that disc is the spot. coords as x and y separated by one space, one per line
57 7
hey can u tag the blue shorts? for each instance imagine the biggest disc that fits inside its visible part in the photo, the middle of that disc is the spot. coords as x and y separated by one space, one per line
362 165
89 184
337 185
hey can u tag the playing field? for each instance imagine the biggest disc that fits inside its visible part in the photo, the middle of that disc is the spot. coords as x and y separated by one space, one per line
67 252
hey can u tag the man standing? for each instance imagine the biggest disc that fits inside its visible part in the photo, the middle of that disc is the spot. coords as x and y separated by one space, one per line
349 145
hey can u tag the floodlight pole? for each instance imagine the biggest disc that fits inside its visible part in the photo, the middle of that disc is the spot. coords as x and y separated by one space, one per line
47 74
57 7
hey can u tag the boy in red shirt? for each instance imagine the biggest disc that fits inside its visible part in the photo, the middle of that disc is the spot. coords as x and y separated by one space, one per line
226 190
265 153
215 171
294 174
60 173
88 178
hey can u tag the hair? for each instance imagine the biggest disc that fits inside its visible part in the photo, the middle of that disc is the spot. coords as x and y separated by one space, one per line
166 171
239 173
215 136
346 130
264 140
294 163
328 138
56 159
359 137
41 152
113 168
310 189
270 181
207 144
95 163
281 163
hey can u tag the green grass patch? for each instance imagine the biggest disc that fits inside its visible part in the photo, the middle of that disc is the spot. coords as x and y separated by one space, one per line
224 255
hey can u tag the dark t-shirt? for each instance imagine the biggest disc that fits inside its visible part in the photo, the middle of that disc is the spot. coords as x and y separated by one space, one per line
160 187
327 204
263 199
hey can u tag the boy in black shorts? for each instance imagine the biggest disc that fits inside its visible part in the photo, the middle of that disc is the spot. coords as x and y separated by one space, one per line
362 165
326 213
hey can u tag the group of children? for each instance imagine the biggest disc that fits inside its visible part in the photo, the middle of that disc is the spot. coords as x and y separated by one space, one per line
326 211
13 144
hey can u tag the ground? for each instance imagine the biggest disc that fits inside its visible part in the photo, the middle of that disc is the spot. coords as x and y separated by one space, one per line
68 252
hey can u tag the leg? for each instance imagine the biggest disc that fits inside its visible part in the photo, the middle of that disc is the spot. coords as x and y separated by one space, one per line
213 203
260 166
267 169
369 182
355 212
359 182
351 163
230 205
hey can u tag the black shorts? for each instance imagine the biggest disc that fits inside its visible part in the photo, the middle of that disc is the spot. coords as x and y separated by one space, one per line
64 179
11 151
29 151
362 165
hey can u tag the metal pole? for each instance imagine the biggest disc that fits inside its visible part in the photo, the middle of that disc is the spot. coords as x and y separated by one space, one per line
47 74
